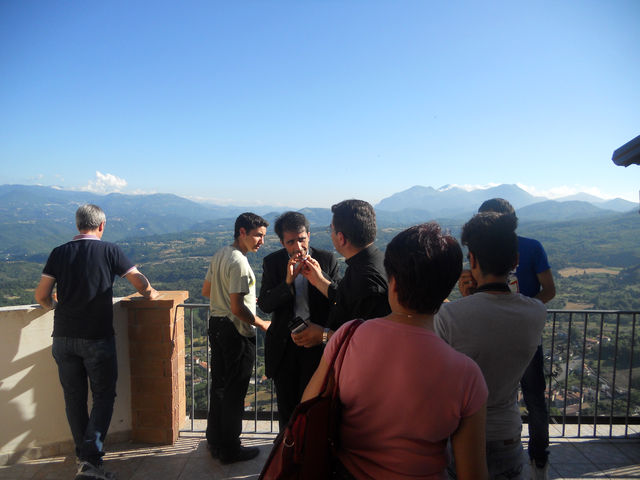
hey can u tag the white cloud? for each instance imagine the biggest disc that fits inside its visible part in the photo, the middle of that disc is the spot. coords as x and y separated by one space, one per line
105 183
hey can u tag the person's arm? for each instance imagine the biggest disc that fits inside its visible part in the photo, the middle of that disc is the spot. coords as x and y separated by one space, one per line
44 292
469 450
141 284
372 305
313 272
310 336
441 326
274 291
315 384
206 289
240 310
313 334
466 283
547 286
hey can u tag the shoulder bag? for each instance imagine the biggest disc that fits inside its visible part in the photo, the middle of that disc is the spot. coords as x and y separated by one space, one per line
306 447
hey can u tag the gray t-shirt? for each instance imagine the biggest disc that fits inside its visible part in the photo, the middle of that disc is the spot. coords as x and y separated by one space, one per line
230 272
501 333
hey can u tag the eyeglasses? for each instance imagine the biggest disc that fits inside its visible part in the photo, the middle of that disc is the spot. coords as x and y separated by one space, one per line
329 229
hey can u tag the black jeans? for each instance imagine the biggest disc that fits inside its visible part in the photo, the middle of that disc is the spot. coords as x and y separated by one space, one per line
533 387
232 359
77 359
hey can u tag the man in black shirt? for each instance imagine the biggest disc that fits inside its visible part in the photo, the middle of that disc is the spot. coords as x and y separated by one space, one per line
83 272
362 292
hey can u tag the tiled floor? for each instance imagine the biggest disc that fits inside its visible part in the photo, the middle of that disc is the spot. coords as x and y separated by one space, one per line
188 459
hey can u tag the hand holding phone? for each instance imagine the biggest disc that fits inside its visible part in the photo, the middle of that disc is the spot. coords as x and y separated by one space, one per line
297 324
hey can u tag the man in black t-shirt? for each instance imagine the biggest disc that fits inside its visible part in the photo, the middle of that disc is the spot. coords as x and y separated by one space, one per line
83 272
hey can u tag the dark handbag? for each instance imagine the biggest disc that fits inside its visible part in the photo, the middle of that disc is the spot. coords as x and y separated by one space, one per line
306 447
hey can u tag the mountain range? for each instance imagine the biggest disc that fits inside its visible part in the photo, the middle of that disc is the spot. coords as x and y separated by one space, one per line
448 201
35 218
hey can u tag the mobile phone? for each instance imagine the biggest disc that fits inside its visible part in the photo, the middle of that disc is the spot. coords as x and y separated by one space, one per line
297 324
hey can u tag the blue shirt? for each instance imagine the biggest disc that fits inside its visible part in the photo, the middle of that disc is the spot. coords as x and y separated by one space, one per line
533 260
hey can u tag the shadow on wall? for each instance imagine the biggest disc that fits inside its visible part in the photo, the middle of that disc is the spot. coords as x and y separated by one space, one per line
30 396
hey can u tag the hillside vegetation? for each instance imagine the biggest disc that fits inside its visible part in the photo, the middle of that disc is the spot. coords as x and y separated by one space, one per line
178 261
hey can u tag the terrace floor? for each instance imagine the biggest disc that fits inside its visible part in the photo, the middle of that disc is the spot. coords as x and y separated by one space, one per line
571 458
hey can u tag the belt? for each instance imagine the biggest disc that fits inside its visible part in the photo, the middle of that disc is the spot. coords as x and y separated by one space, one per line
507 442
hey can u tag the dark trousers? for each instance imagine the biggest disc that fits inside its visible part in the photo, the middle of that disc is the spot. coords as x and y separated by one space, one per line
79 359
294 372
232 359
533 387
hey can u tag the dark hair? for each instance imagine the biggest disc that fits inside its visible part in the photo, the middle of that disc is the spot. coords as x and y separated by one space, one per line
425 264
89 217
492 239
356 220
498 205
248 221
290 222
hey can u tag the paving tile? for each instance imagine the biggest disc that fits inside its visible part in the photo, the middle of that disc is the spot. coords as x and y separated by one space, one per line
571 458
565 452
621 472
553 474
573 471
601 453
202 468
160 467
51 468
123 467
631 449
14 472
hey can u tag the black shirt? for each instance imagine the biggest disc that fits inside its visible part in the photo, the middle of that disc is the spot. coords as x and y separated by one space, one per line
362 292
84 270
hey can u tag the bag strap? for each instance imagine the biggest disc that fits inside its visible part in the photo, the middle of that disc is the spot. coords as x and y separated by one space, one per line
340 352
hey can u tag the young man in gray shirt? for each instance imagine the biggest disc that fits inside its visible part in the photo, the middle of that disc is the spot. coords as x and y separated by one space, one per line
498 329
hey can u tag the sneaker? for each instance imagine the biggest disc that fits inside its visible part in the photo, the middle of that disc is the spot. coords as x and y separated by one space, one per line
539 473
241 455
87 471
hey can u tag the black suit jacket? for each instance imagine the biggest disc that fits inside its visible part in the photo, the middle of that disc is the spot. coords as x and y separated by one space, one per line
277 298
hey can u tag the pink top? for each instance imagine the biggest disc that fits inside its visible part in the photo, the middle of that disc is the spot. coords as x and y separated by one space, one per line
404 391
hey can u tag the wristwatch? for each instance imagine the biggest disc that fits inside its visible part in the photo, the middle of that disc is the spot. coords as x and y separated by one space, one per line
325 336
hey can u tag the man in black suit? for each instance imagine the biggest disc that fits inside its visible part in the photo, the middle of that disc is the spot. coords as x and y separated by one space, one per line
288 295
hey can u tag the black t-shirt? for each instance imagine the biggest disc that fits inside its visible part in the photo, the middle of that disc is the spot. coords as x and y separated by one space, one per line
84 270
362 292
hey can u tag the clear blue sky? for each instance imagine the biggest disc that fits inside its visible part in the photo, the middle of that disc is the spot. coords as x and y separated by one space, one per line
306 103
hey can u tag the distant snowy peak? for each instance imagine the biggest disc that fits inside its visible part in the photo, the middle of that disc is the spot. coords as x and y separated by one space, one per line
451 200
